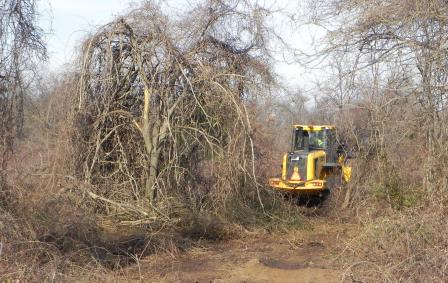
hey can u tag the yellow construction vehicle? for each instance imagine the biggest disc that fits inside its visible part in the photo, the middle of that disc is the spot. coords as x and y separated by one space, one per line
316 163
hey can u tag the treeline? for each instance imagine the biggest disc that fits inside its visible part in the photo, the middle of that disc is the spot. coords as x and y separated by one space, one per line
388 61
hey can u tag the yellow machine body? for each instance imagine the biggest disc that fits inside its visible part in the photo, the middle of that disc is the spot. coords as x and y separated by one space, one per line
314 157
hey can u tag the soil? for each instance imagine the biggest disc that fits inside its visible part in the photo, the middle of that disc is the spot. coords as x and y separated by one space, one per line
304 255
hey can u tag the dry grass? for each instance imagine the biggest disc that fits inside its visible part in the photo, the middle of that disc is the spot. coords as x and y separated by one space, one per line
400 246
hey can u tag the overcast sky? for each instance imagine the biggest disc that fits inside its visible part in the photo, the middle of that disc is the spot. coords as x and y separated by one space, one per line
68 21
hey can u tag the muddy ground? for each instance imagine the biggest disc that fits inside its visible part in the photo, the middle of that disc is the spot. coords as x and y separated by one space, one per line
310 254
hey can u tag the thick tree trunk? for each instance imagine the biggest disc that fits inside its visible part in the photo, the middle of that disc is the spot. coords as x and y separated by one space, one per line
150 185
151 180
154 132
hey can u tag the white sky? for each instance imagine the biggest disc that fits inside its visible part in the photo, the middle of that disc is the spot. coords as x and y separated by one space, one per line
68 21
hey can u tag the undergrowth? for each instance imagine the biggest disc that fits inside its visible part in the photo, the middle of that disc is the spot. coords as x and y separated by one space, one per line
56 234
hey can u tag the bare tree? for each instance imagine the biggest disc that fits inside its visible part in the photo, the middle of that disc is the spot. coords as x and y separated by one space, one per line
396 40
162 102
21 46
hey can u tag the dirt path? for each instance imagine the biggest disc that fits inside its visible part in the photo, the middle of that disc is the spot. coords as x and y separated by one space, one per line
298 256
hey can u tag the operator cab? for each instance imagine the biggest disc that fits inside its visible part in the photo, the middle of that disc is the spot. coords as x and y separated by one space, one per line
309 138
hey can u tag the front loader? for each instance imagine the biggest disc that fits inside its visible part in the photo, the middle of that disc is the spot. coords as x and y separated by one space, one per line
316 163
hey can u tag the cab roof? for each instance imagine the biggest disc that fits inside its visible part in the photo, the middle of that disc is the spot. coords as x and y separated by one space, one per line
314 127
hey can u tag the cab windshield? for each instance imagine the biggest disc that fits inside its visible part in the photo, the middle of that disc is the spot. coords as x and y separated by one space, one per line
303 139
317 139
